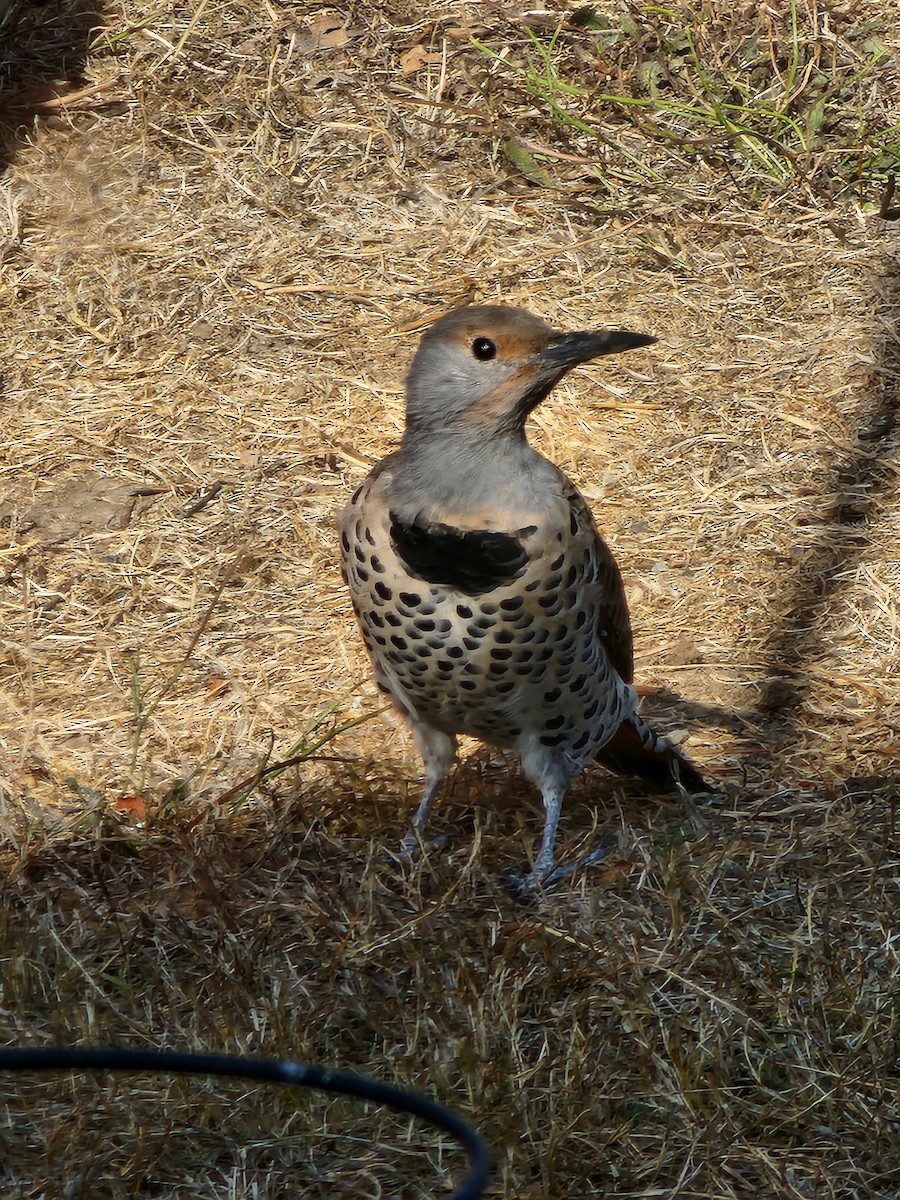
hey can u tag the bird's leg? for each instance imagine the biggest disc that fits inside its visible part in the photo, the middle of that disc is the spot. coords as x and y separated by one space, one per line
543 864
438 751
549 771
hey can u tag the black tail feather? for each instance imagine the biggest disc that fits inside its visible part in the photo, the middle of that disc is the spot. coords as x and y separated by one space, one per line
635 749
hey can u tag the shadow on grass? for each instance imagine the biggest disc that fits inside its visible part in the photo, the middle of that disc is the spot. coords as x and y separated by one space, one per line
850 498
43 49
853 492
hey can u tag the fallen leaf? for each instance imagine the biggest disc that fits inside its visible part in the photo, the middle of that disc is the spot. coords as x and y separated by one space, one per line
134 807
416 57
616 871
327 31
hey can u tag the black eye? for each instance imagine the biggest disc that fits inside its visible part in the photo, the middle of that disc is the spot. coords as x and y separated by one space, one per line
484 349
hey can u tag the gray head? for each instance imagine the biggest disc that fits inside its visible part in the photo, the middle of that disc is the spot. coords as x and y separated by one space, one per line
486 367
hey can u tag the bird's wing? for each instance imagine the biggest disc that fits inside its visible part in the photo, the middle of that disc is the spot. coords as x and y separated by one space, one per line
614 626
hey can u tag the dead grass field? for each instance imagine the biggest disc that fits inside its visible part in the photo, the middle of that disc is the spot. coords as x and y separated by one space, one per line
223 224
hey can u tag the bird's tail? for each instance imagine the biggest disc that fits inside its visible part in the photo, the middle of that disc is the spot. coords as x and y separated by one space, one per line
635 749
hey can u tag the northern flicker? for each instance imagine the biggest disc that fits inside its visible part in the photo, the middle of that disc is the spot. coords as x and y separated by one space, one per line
488 602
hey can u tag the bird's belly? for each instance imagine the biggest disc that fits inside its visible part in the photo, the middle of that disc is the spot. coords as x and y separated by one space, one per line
499 667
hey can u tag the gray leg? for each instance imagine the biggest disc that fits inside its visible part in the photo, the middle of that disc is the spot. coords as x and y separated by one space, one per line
438 752
549 772
543 864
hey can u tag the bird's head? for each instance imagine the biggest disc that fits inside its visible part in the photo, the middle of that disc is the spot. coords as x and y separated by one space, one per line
486 367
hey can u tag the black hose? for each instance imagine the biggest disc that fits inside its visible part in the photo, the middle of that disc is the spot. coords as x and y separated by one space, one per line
263 1070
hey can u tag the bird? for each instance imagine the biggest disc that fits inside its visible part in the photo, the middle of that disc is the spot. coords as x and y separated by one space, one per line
488 602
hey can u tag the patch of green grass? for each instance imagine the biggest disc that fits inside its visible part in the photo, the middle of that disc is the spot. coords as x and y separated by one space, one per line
787 106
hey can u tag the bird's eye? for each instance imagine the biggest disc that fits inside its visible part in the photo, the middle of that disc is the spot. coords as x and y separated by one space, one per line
484 349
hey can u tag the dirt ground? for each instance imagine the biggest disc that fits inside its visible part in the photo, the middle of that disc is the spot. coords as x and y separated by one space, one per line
224 226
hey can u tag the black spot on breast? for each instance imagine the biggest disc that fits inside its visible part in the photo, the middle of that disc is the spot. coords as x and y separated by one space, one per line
573 524
463 610
398 641
370 536
435 643
424 624
382 590
505 687
555 722
345 543
356 495
511 604
481 624
500 654
410 599
470 643
377 565
552 696
550 601
455 651
557 563
393 620
582 741
358 554
472 561
571 575
552 739
362 574
504 637
591 711
468 684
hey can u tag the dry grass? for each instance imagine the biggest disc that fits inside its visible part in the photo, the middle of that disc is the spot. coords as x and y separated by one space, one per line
222 225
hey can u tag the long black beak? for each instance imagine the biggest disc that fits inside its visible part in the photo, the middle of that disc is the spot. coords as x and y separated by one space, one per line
570 349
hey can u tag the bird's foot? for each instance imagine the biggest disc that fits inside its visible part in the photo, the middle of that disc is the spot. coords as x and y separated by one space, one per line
413 844
522 886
